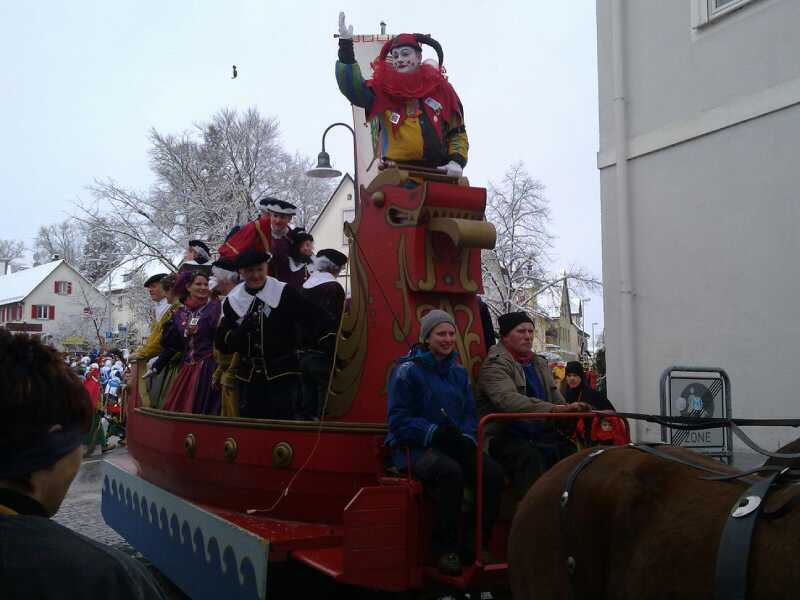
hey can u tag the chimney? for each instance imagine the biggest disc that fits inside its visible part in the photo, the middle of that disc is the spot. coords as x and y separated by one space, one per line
5 265
55 257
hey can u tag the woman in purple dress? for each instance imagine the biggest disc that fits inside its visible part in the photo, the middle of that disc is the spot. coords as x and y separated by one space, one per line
191 332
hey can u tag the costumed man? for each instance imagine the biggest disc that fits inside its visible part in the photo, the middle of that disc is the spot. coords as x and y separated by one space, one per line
316 361
264 233
259 322
419 114
292 267
514 380
223 279
152 347
197 257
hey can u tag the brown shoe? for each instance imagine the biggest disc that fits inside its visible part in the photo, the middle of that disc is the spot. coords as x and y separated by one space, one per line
449 564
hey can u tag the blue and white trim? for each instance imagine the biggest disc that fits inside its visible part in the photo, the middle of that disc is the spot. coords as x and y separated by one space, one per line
203 554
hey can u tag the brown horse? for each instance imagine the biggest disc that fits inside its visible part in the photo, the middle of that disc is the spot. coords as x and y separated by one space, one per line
642 527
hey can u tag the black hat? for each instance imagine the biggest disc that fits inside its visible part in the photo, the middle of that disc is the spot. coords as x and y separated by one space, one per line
249 258
199 244
336 257
224 263
509 321
278 206
574 368
154 279
298 235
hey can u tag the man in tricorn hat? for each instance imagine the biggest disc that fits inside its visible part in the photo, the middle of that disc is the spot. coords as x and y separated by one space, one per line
259 323
319 348
264 233
419 114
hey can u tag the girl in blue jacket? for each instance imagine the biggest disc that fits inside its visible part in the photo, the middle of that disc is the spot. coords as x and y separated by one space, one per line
432 413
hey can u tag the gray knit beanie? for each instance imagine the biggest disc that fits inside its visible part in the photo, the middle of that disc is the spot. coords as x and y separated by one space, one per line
431 320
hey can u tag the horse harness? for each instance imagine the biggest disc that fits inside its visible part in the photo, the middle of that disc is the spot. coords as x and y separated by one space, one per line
730 574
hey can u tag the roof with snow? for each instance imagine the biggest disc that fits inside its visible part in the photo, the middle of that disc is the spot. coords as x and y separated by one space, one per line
17 286
121 277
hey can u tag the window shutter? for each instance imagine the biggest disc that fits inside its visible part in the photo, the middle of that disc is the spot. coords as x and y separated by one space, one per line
33 311
52 312
55 287
69 288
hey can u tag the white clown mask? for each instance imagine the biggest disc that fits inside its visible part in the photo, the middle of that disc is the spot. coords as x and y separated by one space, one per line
405 59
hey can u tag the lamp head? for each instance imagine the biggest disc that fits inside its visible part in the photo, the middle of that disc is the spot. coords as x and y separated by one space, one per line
323 168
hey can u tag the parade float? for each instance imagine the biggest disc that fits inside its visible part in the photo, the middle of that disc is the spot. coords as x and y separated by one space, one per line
213 501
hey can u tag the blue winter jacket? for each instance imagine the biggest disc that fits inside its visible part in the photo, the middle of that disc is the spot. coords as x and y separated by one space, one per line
423 394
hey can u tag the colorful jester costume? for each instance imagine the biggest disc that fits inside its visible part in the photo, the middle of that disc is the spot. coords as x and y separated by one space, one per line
419 114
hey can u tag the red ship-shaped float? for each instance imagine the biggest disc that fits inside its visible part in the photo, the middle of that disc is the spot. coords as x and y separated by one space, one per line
185 495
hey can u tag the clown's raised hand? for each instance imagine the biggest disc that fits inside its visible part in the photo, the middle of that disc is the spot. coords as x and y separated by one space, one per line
345 31
452 169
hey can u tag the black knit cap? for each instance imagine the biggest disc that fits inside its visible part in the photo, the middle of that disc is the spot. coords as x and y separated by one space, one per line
574 368
249 258
509 321
154 279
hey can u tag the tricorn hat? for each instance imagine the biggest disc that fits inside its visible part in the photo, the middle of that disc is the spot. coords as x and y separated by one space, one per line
249 258
337 258
281 207
298 235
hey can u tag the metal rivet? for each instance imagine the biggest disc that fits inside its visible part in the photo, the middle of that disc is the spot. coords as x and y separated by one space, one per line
282 454
564 499
746 506
190 444
230 449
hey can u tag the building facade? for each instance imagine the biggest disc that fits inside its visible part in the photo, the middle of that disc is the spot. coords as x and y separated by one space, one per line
699 104
54 303
328 229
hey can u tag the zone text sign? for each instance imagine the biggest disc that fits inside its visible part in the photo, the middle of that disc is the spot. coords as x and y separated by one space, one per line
702 397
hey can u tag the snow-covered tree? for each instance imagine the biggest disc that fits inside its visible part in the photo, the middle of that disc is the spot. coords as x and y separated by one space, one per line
64 239
102 251
206 181
11 250
516 272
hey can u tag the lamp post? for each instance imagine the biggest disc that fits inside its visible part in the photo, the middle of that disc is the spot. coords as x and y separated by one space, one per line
324 169
594 342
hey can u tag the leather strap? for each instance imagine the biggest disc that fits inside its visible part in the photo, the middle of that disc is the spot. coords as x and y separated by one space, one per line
733 554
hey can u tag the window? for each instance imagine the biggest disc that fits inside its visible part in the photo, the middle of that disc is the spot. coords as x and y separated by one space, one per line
710 10
63 288
348 216
43 312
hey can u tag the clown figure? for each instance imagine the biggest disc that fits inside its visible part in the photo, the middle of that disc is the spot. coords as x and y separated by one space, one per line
419 114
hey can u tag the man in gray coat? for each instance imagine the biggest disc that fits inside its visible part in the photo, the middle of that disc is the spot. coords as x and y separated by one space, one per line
514 380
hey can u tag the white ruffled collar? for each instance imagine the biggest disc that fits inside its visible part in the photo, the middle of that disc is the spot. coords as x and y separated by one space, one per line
317 278
240 300
161 308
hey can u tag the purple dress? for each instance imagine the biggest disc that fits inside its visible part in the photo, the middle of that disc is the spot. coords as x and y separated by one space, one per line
191 390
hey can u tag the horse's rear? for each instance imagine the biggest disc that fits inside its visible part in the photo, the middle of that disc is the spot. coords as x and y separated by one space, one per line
638 526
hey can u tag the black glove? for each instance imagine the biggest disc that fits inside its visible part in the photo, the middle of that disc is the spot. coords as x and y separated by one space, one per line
447 439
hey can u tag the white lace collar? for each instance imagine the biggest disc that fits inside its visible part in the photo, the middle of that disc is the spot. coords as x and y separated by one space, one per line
317 278
270 295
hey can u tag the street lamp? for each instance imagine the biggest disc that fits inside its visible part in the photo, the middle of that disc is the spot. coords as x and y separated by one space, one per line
584 301
594 342
324 169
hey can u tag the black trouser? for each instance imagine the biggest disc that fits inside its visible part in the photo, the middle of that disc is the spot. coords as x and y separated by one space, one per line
262 398
316 368
524 460
444 479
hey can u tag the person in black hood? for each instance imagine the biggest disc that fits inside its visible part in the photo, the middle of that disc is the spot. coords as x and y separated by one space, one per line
575 389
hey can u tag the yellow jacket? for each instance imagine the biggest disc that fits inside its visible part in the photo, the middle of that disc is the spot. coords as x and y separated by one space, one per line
152 347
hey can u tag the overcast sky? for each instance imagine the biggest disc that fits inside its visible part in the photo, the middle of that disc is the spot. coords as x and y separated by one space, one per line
84 81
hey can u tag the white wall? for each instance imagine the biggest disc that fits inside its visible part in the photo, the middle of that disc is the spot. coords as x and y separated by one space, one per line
328 228
69 309
714 208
